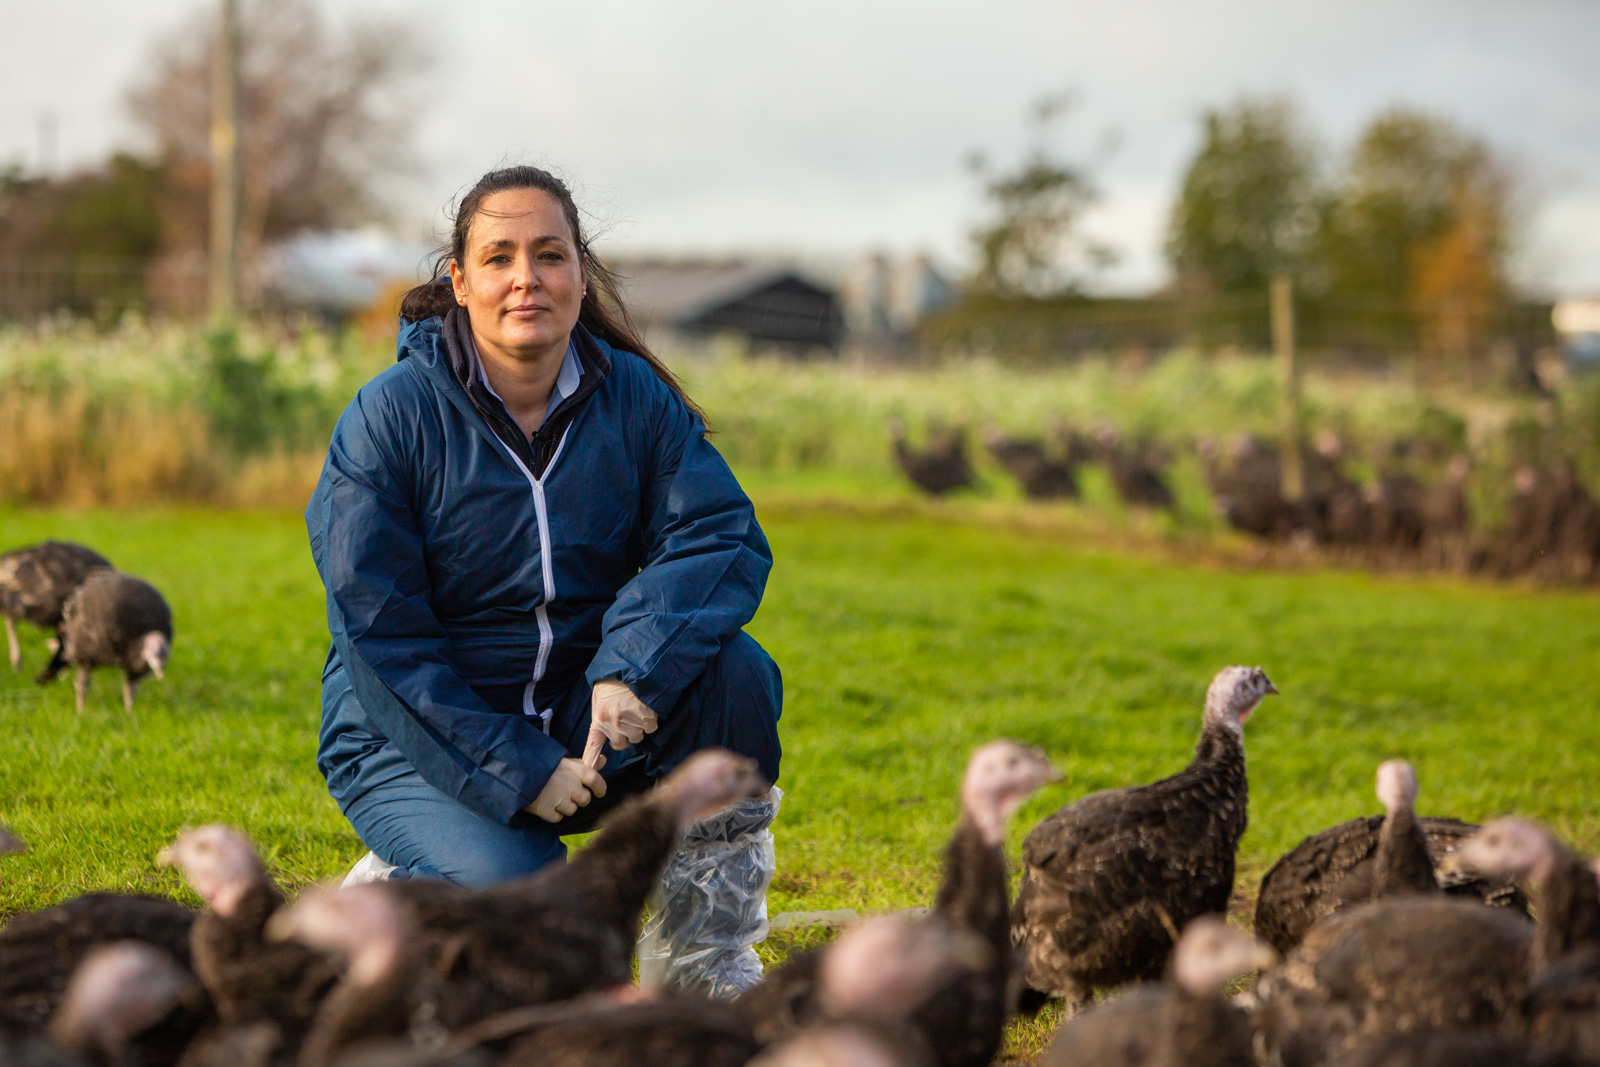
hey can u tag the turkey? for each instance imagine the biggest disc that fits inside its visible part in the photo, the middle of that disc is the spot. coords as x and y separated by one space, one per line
1560 1008
965 1019
113 620
874 985
35 582
1041 478
1109 879
1184 1022
1407 963
632 1027
1136 478
129 1004
941 467
40 950
1568 895
1363 859
565 931
249 978
387 981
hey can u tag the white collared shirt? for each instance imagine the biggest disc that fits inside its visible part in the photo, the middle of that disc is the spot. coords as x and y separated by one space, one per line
566 380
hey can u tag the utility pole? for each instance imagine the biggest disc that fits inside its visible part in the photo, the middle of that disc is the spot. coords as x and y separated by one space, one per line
1282 293
225 174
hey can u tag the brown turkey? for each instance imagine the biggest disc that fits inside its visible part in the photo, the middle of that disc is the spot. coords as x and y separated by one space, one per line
1041 477
40 950
1391 966
249 978
941 466
113 620
873 988
35 582
1134 473
1108 879
1363 859
568 930
1184 1022
1561 1006
129 1004
965 1019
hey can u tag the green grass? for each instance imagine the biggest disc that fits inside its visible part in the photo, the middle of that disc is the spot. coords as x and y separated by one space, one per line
906 639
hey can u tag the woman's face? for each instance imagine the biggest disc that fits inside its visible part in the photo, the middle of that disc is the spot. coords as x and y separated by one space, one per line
522 280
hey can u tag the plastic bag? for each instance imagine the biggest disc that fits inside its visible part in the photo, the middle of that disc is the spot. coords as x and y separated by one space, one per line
711 903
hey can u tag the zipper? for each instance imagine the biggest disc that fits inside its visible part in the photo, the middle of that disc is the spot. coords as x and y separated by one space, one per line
547 567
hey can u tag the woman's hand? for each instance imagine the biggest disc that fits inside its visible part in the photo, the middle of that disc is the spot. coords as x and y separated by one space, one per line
572 786
617 716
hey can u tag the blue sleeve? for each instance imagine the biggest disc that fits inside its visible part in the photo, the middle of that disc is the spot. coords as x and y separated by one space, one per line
705 567
369 550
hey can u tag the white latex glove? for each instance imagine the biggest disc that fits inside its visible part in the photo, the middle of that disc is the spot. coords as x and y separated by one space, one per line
572 786
618 717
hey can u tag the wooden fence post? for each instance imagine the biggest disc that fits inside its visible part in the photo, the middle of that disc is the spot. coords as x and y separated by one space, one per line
1282 291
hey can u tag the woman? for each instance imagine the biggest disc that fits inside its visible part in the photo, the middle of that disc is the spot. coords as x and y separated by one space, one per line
537 572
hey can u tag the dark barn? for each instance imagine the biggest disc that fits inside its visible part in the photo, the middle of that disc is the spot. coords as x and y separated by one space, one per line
771 305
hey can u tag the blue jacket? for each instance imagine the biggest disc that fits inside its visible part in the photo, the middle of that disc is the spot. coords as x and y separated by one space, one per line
473 576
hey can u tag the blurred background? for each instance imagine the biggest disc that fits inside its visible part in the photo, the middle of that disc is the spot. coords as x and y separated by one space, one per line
1317 279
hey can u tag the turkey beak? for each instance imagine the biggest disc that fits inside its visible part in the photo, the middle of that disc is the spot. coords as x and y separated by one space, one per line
1272 690
166 857
160 671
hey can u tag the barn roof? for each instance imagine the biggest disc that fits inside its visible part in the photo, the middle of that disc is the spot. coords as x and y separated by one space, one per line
678 292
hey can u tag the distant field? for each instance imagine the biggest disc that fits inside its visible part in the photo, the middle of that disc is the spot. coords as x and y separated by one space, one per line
905 640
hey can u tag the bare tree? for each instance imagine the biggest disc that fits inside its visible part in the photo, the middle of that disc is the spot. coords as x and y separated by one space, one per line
327 115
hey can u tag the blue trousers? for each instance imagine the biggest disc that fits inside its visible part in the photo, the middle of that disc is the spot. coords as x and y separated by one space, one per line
734 704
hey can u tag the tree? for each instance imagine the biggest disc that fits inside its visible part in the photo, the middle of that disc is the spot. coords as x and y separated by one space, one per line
102 212
325 116
1033 244
1248 205
1424 215
1411 179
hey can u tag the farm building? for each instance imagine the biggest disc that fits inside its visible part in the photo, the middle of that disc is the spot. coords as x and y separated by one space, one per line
698 299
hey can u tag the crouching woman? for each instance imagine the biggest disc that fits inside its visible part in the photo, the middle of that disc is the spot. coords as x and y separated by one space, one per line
537 574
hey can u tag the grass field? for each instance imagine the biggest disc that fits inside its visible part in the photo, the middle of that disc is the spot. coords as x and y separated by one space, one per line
906 639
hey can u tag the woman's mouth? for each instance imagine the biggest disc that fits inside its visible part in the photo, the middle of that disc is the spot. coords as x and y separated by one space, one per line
526 311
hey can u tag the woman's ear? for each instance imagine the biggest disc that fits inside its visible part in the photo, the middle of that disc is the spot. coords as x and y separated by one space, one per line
458 282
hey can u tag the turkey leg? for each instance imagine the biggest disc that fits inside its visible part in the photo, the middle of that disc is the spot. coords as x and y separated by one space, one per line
82 687
12 645
130 689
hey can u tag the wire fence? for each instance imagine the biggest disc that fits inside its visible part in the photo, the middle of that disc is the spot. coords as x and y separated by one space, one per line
1353 329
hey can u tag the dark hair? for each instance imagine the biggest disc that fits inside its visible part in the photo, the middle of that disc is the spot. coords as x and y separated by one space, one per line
602 312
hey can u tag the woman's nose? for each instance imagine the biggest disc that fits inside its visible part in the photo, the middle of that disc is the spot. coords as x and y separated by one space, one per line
526 277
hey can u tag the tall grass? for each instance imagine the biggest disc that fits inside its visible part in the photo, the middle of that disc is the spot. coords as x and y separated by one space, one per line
170 414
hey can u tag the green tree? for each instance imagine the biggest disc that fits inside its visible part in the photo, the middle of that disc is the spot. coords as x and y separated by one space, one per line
1033 243
1423 216
105 211
1248 206
1413 183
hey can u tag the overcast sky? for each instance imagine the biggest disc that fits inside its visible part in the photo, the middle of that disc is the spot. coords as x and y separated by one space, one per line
833 126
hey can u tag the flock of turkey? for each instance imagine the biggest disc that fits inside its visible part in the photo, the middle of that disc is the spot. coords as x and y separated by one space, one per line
1551 528
1386 941
99 616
